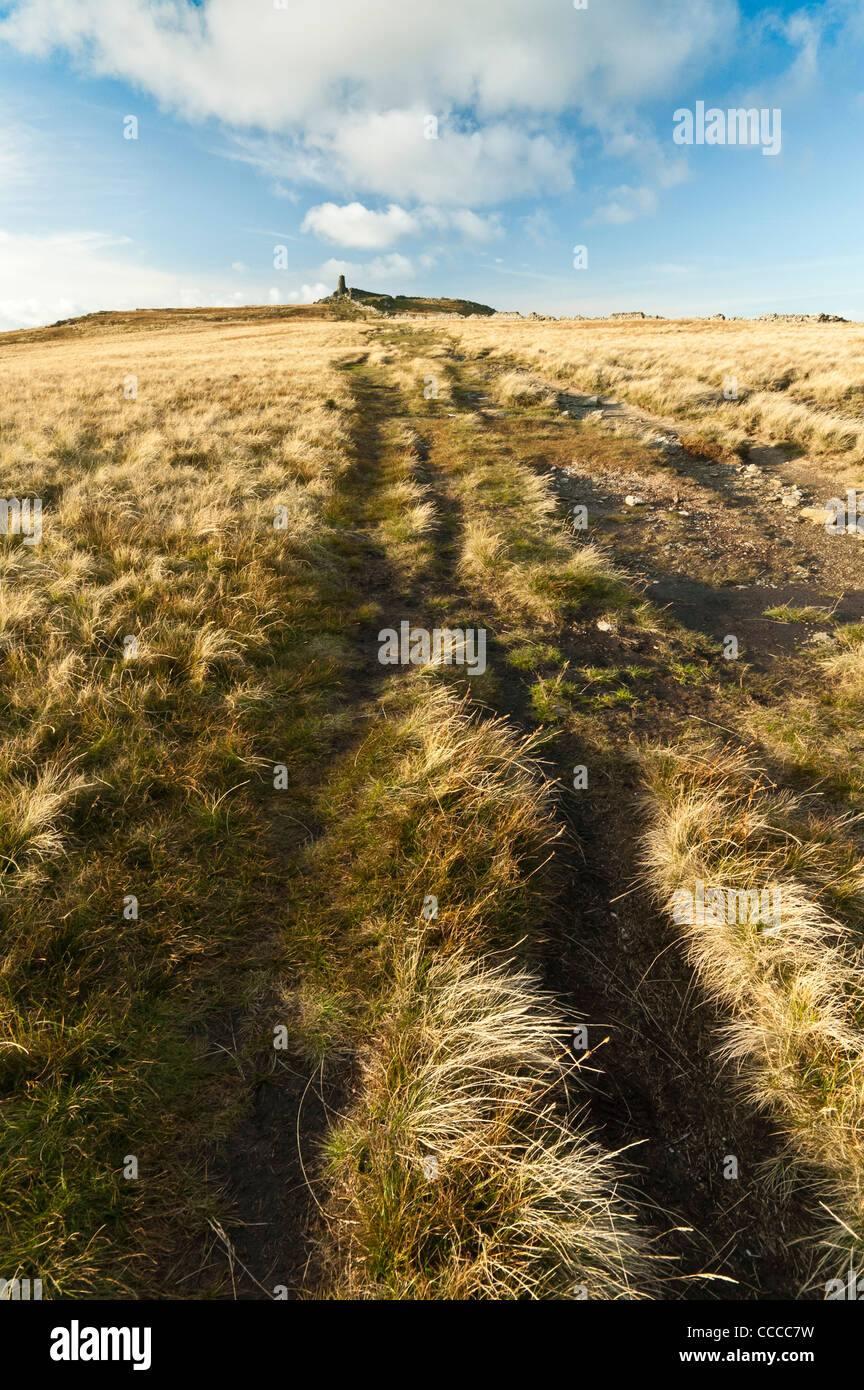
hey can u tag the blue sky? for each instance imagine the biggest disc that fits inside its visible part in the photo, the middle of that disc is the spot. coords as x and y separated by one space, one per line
306 125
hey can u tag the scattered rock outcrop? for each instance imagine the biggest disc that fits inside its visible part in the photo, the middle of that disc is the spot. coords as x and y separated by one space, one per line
801 318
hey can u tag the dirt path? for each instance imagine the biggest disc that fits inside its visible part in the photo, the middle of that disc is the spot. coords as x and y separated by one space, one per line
712 545
612 955
721 541
267 1171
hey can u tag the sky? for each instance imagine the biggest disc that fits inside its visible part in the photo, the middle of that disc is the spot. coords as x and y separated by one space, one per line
528 154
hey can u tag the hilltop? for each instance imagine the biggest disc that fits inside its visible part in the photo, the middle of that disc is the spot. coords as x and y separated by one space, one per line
354 303
344 298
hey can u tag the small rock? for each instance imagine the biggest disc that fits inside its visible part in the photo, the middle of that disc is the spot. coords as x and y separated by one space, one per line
632 501
603 626
818 515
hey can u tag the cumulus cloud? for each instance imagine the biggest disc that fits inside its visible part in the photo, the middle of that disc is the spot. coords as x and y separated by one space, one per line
356 225
475 228
364 274
340 93
307 294
255 65
392 267
385 154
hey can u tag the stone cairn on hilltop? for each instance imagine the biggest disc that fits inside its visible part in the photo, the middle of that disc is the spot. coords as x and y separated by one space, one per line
343 292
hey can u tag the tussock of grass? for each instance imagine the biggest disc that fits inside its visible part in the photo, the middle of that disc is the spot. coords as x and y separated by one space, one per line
461 1057
516 553
846 666
465 1071
791 613
522 389
795 995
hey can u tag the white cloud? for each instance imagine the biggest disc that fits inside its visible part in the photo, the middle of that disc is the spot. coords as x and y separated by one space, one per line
661 162
356 225
364 275
392 267
76 273
307 294
341 91
254 65
359 227
475 228
332 269
385 153
625 205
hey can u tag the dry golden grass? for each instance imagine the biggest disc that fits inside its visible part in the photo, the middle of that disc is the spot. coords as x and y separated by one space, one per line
794 991
845 666
185 623
465 1062
522 388
134 772
797 384
515 548
517 1202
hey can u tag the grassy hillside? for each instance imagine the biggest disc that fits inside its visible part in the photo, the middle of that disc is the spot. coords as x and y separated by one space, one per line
405 304
186 675
349 979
